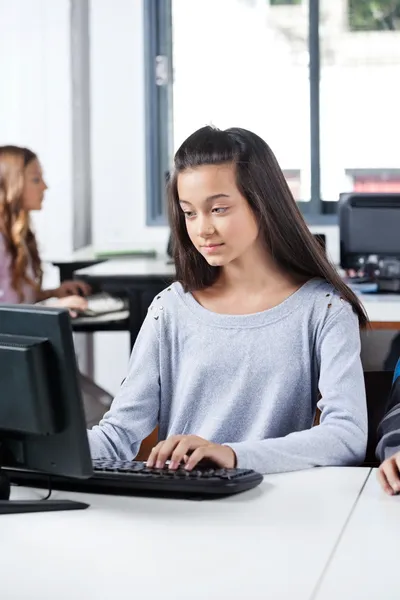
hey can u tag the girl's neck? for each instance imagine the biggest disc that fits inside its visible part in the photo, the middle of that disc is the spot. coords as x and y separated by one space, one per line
247 286
256 271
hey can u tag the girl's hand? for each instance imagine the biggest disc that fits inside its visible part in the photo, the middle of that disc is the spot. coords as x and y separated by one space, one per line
177 447
72 288
73 303
389 476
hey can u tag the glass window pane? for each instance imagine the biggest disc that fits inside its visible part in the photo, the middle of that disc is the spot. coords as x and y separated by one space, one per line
245 63
360 91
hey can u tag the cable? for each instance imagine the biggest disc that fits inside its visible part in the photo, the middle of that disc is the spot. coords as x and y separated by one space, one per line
50 489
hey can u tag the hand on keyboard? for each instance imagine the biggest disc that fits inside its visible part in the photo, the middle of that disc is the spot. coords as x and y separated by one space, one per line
190 449
103 303
73 288
75 304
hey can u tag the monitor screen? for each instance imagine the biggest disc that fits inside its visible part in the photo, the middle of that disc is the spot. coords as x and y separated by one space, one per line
42 423
369 225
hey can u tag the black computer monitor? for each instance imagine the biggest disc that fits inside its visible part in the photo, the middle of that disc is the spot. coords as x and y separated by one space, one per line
42 423
369 224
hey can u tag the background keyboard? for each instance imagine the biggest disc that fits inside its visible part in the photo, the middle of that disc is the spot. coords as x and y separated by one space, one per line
135 478
103 303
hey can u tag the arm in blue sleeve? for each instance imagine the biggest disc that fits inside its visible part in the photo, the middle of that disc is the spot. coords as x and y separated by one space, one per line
134 412
341 437
389 427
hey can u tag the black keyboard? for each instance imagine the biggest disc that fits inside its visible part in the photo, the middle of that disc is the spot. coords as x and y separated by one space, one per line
135 478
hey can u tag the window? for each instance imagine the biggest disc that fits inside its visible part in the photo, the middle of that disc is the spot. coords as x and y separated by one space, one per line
359 91
374 180
374 15
247 84
158 85
317 79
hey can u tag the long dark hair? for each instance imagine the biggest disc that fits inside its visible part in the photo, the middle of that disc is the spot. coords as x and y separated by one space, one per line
261 181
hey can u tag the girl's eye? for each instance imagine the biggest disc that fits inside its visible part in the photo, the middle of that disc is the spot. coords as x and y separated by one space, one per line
188 214
36 180
219 210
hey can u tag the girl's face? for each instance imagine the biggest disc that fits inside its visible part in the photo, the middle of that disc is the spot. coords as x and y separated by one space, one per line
34 187
219 220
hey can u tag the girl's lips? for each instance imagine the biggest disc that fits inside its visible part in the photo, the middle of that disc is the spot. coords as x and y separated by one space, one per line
211 248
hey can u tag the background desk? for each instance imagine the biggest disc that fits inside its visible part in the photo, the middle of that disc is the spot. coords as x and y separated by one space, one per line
383 310
79 259
139 279
365 565
272 542
118 321
142 279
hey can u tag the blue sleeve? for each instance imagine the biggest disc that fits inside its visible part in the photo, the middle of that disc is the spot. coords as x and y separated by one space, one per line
341 437
134 411
396 371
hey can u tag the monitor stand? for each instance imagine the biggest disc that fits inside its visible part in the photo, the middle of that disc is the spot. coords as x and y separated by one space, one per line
8 506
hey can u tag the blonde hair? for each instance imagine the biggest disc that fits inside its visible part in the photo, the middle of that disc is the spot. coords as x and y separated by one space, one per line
15 224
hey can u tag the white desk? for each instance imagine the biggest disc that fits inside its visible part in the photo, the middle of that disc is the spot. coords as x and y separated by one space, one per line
365 565
85 253
121 315
383 310
130 267
272 542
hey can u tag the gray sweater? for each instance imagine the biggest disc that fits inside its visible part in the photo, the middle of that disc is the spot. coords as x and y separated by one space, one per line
252 382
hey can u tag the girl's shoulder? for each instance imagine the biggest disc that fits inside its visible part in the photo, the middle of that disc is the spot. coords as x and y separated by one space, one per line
167 301
327 302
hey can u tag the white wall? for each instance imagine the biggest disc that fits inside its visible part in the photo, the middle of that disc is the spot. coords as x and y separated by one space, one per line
118 128
35 105
118 153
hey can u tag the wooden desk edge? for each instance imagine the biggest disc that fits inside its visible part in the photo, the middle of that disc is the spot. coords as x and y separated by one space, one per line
385 325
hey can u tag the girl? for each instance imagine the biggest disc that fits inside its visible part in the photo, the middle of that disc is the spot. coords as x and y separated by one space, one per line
22 190
258 331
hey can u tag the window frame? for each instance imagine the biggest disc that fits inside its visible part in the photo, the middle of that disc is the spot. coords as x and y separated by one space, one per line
158 105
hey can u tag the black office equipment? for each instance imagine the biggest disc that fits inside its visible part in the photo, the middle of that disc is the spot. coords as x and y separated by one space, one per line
134 478
388 276
370 238
42 424
369 226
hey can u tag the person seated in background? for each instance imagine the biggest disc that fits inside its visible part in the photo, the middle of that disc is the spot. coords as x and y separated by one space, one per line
22 189
388 449
257 332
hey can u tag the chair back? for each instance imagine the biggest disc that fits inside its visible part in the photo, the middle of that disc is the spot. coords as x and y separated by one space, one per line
377 386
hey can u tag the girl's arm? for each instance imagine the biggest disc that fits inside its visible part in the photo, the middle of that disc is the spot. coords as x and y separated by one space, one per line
134 412
389 427
67 288
341 436
46 294
7 293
